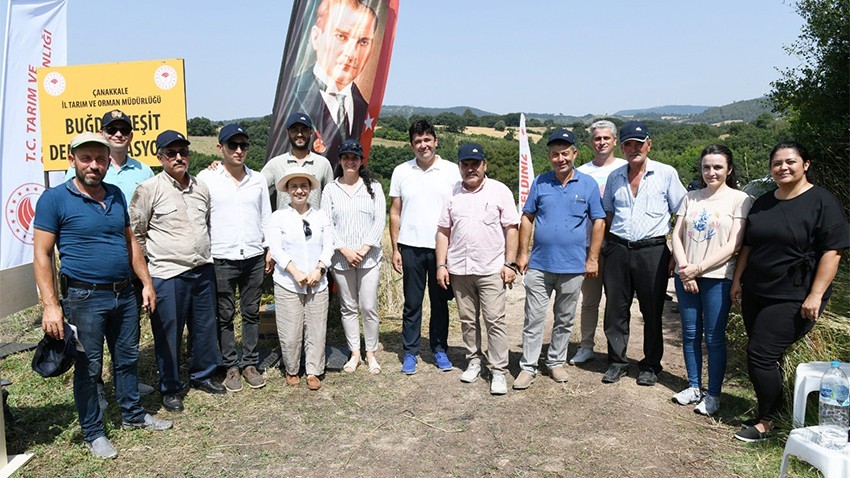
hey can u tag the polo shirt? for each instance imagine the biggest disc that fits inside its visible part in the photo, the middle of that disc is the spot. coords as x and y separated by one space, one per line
423 194
127 177
646 215
90 237
238 213
317 165
561 213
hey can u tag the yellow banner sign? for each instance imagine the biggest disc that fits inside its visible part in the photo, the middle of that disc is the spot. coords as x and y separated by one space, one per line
73 99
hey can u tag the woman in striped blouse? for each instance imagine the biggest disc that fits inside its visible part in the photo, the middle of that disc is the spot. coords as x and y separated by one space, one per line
356 206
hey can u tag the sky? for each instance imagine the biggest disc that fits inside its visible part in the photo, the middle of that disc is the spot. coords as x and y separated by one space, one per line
569 57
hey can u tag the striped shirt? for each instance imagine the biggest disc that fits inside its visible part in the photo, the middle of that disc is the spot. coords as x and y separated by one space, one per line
648 214
357 220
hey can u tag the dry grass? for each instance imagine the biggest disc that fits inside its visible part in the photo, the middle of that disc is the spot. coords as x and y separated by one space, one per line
205 144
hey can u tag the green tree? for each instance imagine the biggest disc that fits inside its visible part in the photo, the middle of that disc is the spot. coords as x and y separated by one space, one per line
200 126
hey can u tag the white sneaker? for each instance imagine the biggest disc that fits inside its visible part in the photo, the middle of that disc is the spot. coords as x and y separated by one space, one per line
583 354
498 384
708 406
471 373
101 448
688 396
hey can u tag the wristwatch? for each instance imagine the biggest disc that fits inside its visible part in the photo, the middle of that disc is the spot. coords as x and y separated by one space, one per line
512 265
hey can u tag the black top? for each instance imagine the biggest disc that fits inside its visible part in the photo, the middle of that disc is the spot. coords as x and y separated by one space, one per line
788 238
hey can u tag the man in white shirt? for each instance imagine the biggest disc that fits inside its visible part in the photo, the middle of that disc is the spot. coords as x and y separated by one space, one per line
418 191
239 210
603 141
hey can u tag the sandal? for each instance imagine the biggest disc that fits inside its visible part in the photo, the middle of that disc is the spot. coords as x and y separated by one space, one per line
374 366
352 363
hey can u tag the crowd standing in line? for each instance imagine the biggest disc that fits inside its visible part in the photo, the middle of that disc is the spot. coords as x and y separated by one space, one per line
450 227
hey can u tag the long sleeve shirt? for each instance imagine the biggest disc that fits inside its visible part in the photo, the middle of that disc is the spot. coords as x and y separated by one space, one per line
288 242
357 220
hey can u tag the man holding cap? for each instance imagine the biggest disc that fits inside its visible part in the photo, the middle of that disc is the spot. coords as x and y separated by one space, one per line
476 252
80 216
560 204
239 210
170 215
299 128
639 199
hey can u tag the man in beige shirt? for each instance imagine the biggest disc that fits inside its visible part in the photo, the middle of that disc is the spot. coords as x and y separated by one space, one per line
170 218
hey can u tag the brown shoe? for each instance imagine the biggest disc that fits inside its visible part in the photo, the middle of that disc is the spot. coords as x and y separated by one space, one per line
293 380
558 374
232 381
253 377
313 382
523 380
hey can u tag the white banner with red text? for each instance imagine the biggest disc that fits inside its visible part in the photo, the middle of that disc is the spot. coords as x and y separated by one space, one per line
526 169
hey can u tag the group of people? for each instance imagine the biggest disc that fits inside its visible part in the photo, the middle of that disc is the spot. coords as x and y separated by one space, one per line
180 247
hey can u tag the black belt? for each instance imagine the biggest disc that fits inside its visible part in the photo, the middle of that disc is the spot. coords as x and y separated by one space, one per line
113 286
652 241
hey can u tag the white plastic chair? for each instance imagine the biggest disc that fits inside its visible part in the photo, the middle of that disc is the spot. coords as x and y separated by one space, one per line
804 444
806 381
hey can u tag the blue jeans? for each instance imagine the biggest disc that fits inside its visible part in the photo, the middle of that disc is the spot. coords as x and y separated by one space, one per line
99 315
706 311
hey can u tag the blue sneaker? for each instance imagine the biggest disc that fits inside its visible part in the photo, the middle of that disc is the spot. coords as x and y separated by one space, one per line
442 361
409 366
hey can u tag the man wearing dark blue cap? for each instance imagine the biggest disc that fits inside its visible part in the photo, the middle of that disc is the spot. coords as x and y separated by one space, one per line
239 211
560 204
170 216
299 128
87 219
638 200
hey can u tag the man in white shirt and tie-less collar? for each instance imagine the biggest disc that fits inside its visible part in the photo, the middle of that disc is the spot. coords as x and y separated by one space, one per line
239 211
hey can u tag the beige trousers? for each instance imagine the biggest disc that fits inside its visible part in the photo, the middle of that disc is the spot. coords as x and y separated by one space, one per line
591 295
302 321
483 296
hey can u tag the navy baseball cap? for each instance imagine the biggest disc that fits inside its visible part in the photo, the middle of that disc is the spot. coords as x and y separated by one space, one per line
634 130
470 151
351 145
230 130
170 136
113 116
298 118
561 135
54 357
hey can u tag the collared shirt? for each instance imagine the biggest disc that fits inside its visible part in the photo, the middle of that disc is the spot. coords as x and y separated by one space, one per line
648 214
423 194
238 213
478 220
329 95
90 236
357 220
600 175
289 243
561 213
127 177
172 224
315 164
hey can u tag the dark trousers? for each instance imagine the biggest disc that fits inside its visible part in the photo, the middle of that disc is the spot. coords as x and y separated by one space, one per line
189 296
419 265
629 272
247 276
772 326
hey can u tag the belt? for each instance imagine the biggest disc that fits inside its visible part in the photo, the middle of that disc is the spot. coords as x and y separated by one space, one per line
652 241
113 286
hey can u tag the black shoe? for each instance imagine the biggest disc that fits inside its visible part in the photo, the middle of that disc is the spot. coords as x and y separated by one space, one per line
208 386
752 435
749 422
172 402
647 378
614 373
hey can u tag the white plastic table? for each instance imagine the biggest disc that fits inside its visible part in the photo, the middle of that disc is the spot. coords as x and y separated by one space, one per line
806 381
804 444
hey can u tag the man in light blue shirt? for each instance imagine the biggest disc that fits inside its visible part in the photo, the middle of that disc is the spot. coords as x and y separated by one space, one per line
638 201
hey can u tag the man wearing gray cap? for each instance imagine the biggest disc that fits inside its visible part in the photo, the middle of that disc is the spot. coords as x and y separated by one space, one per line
560 204
639 199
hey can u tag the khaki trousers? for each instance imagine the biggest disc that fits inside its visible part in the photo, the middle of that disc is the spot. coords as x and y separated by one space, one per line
484 296
591 295
302 321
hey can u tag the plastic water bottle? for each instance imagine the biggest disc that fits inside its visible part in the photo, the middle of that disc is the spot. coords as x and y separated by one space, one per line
834 407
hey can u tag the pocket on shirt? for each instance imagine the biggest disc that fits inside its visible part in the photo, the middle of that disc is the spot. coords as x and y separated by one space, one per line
578 207
657 206
492 216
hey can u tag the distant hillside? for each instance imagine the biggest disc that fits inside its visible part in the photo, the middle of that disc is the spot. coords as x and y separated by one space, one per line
747 110
672 110
407 110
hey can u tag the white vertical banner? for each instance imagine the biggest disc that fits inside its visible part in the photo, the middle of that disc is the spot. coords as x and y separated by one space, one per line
36 36
526 169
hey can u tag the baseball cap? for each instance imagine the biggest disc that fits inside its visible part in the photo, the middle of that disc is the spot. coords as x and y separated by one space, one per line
87 137
115 115
634 130
561 135
169 136
351 145
296 118
230 130
54 357
470 151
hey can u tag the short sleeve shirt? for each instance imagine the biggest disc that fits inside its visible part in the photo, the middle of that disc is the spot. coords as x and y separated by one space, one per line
127 177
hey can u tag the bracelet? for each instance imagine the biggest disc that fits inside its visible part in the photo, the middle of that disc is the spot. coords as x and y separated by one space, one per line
443 265
513 266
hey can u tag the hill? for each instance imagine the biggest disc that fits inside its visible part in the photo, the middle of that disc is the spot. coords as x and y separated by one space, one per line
407 110
747 110
671 110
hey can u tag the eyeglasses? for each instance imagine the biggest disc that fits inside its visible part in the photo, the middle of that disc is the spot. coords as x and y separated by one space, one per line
308 233
172 153
233 145
111 130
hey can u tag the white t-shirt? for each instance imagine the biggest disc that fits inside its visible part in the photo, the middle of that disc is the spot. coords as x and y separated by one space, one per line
600 175
423 195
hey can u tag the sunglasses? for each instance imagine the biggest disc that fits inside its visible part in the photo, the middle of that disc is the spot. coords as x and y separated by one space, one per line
125 130
172 153
233 145
308 233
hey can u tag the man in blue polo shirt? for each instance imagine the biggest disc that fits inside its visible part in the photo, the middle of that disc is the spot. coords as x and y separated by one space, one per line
87 219
560 204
